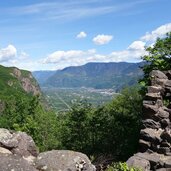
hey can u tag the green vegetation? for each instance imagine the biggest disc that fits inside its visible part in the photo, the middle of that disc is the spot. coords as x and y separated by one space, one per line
121 167
158 58
98 130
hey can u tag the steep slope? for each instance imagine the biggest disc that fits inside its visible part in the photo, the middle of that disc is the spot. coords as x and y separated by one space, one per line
96 75
17 82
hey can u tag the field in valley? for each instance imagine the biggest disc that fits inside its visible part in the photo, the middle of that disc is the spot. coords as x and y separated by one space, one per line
61 99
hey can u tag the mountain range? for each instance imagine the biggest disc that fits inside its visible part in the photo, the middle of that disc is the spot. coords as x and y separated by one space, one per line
92 75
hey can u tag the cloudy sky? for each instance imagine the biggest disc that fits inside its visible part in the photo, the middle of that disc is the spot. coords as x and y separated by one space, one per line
53 34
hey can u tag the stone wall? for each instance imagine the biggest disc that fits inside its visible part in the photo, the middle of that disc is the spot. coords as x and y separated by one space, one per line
155 135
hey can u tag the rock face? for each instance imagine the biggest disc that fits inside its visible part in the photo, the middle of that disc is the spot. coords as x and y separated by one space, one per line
155 135
28 82
18 152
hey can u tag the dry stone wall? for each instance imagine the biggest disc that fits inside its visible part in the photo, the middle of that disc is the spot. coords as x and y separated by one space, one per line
155 135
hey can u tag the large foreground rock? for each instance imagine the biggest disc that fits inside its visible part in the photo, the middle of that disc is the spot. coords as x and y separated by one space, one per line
63 160
10 162
139 163
18 143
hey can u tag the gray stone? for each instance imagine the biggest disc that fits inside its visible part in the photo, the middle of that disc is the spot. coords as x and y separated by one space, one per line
168 74
158 74
4 151
14 163
158 82
162 113
18 143
165 144
149 123
155 89
26 145
150 112
165 123
155 159
167 162
166 135
163 150
140 163
63 160
144 145
151 135
153 96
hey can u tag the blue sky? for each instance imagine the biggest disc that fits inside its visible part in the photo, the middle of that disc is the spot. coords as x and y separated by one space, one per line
53 34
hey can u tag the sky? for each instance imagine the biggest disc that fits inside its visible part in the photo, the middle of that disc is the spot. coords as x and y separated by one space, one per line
54 34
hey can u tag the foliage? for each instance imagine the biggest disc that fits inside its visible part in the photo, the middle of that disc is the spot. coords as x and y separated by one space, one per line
111 129
23 113
121 167
158 57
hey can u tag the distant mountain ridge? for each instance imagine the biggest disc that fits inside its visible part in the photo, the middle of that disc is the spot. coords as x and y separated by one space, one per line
95 75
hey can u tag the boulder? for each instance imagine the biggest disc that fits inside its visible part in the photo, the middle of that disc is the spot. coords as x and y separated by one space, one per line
149 123
155 159
63 160
150 112
158 74
140 163
155 89
18 143
10 162
153 96
151 135
163 113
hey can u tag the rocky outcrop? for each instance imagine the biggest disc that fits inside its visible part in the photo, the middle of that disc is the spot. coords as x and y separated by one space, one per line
155 135
28 82
63 160
18 152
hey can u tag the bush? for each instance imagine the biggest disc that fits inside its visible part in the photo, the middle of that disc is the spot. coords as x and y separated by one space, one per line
121 167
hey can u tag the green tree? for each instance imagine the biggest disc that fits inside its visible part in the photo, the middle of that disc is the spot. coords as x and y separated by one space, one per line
158 57
26 113
74 133
111 129
125 113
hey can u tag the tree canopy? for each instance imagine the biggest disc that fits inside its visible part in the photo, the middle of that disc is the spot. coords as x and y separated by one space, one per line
158 57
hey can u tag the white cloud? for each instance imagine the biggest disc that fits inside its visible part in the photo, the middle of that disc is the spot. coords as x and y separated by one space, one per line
71 55
159 32
62 59
102 39
137 45
8 53
81 35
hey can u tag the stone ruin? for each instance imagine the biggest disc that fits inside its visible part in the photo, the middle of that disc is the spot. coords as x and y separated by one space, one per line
155 135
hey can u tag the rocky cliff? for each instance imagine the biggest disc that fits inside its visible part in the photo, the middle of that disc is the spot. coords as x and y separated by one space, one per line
16 81
27 81
155 135
18 152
